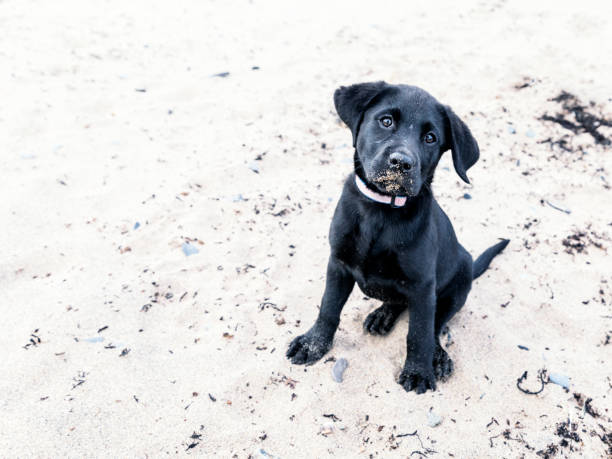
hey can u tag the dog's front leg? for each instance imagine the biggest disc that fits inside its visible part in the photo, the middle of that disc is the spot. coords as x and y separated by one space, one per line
310 347
418 372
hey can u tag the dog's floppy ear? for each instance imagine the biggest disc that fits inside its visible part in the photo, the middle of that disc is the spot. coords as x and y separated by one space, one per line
462 143
351 102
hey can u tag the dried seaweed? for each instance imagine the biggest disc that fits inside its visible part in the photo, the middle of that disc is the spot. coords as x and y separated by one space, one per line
577 118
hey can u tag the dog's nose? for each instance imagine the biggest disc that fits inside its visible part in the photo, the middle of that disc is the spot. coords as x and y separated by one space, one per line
401 161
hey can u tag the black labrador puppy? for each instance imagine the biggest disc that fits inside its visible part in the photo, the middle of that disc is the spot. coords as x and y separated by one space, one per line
390 235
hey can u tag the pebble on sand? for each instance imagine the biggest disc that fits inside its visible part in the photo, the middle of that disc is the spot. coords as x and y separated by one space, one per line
338 369
95 339
559 379
262 453
189 249
433 420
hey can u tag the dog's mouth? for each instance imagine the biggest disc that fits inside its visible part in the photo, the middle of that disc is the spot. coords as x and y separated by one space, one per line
395 182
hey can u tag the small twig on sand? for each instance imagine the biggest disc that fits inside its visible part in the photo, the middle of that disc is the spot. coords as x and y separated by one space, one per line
557 208
415 434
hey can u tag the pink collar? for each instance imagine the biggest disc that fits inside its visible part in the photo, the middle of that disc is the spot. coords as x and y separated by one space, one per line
394 201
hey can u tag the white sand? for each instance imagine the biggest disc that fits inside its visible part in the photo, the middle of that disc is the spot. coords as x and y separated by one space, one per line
85 155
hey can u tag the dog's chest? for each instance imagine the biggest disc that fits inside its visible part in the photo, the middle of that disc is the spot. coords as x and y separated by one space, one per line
377 258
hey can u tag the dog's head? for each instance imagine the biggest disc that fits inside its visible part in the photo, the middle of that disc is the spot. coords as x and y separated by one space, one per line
399 135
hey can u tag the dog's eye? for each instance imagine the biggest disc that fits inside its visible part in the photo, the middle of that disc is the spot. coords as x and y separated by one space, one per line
430 137
386 121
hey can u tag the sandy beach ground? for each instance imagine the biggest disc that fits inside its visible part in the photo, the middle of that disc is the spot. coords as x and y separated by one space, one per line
129 129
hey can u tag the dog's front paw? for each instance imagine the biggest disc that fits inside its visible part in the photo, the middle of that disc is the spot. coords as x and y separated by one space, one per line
417 379
381 320
308 348
442 364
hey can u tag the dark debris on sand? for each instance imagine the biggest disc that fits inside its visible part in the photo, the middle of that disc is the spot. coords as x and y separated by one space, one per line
578 118
580 240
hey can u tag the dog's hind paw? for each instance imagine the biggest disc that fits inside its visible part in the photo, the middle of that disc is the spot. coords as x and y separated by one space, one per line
442 364
308 348
381 320
418 380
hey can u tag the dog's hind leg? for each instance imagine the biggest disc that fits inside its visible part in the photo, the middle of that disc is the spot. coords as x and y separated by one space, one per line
442 363
452 299
381 320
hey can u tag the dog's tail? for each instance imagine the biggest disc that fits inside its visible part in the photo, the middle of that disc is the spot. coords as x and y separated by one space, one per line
482 262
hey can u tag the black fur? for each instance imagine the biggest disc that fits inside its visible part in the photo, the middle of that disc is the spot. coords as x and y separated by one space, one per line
407 257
